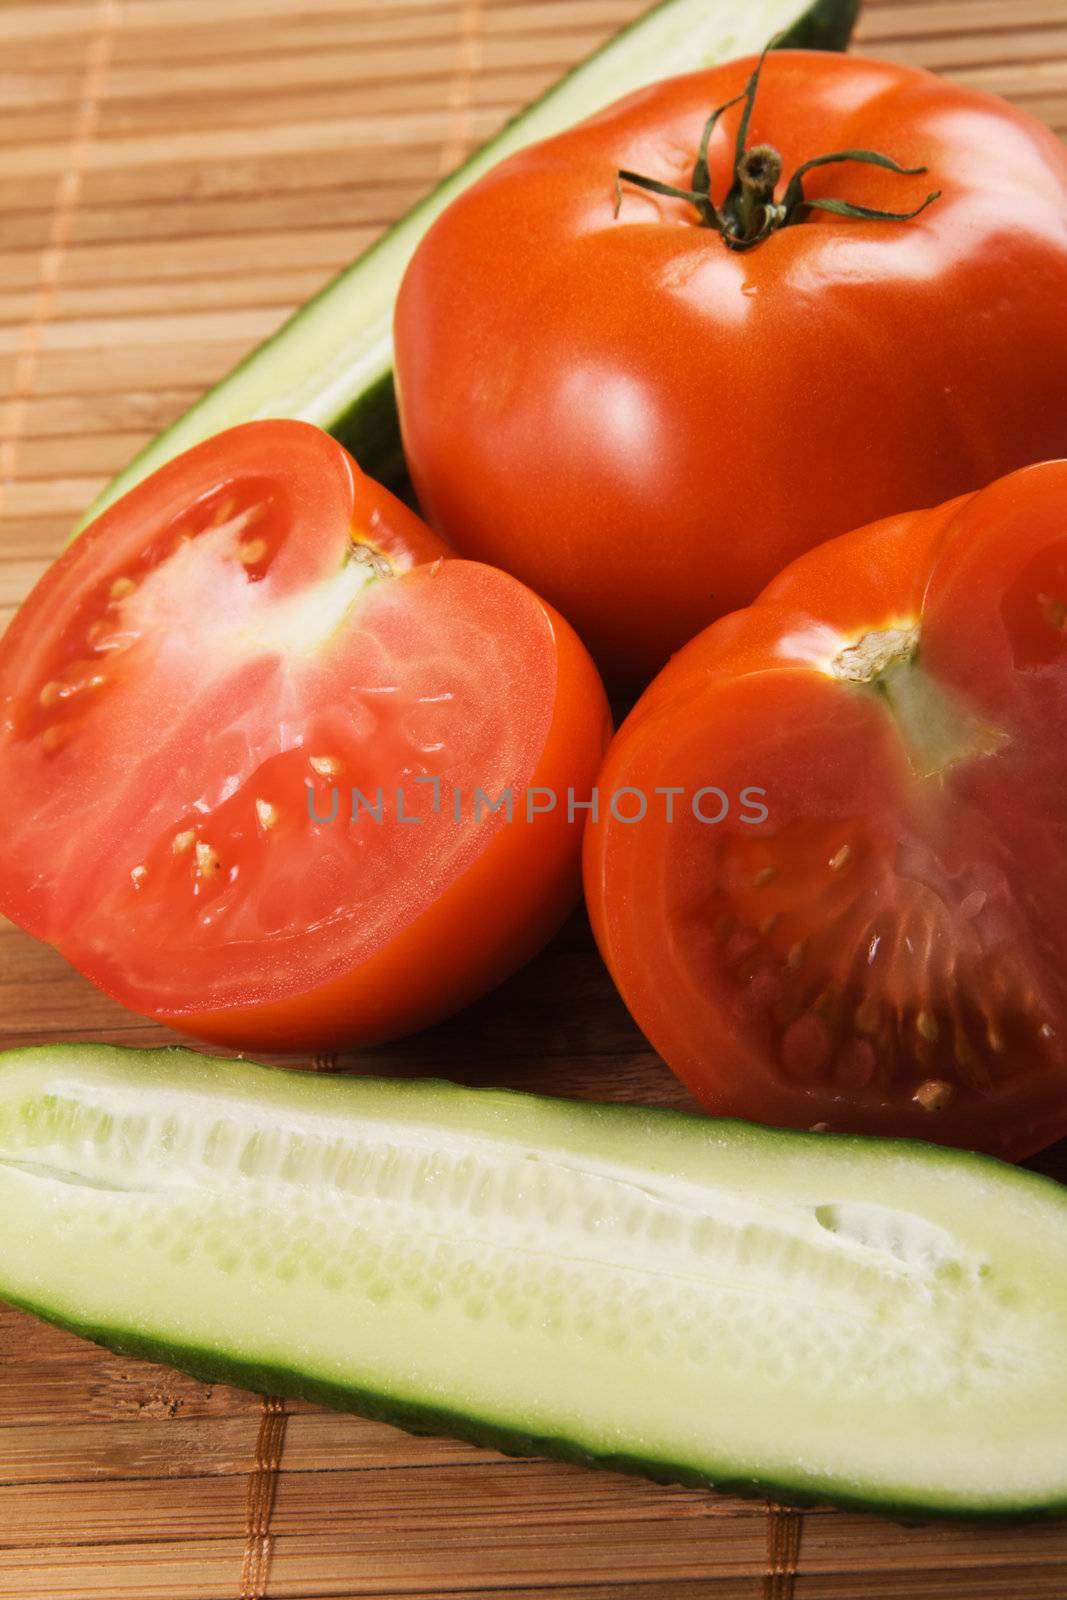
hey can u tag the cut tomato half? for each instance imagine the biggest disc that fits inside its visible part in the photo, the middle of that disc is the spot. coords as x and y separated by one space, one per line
881 944
247 721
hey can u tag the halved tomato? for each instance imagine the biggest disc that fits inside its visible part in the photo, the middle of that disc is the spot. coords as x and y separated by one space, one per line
253 732
876 941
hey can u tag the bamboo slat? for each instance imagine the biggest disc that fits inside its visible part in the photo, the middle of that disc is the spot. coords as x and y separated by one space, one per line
175 177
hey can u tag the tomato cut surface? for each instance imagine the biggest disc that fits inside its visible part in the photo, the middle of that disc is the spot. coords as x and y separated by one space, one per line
885 950
255 728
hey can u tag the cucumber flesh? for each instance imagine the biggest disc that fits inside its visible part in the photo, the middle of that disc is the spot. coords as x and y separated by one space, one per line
872 1322
331 363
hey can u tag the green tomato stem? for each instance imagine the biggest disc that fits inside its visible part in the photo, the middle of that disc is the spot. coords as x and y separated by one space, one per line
750 212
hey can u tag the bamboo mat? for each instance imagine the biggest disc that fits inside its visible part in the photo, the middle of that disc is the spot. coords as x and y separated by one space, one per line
175 177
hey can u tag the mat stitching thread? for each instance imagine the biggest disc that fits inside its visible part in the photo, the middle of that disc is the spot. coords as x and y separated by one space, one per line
784 1528
97 62
262 1489
460 102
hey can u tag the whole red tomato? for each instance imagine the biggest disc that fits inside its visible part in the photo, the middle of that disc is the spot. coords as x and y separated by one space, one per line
646 420
257 739
854 914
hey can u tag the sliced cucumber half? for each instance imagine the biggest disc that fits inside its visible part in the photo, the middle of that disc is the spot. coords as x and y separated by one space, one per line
331 363
871 1322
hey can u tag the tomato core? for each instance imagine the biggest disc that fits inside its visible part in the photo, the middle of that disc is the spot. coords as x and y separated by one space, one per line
935 730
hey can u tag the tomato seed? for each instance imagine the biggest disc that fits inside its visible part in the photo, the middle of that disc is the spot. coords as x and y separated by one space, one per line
868 1013
926 1023
207 862
933 1095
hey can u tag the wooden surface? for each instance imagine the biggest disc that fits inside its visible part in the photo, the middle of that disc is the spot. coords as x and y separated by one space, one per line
175 176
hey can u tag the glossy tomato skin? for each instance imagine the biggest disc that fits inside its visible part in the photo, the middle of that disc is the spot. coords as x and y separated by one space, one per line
646 426
253 631
884 951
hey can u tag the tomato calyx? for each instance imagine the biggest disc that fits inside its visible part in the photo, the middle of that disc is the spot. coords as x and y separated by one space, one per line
750 212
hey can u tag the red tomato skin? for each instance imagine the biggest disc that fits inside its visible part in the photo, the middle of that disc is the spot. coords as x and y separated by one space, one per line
460 947
489 919
867 580
646 426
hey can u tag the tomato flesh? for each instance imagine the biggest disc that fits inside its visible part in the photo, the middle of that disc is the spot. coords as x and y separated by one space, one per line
221 706
887 951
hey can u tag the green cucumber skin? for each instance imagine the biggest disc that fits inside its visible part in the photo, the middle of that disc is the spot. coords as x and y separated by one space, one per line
366 421
213 1365
209 1366
826 25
